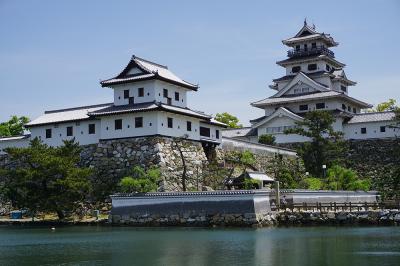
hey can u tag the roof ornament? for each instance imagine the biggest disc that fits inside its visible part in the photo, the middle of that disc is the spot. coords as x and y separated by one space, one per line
305 21
313 26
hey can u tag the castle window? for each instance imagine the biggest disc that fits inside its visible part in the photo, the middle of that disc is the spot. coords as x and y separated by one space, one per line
349 108
296 69
297 47
48 133
126 94
327 67
141 92
189 126
138 122
303 107
305 47
165 93
92 128
343 106
176 96
217 134
131 100
343 88
69 131
354 110
320 106
204 132
296 91
383 129
312 67
170 122
118 124
363 130
314 45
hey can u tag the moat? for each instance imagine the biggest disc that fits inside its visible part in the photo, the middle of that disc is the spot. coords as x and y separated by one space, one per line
92 245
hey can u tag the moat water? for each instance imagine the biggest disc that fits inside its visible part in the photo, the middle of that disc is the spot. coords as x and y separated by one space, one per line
85 245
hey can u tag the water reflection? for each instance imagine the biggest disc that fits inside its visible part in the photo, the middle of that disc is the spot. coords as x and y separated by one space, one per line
172 246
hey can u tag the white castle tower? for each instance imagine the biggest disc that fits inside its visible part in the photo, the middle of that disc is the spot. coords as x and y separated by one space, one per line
314 80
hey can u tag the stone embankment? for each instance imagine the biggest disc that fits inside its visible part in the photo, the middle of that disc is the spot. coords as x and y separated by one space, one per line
283 218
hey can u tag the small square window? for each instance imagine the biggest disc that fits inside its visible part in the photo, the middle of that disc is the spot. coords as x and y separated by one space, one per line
303 107
320 106
69 131
48 133
189 126
118 124
383 129
328 68
296 69
131 100
312 67
165 93
343 88
313 45
141 92
126 94
343 106
363 130
138 122
92 128
176 96
170 122
217 134
354 110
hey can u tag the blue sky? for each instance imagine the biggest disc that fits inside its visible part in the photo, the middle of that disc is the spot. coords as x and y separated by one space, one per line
53 53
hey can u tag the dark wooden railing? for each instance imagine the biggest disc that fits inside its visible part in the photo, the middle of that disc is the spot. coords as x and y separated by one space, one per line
310 51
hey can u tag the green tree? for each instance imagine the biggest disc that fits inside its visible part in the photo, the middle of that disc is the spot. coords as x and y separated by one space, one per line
14 126
140 180
389 105
326 146
340 178
226 118
266 139
47 179
288 171
312 183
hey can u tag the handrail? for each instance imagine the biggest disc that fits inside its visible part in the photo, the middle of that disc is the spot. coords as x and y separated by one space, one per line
310 51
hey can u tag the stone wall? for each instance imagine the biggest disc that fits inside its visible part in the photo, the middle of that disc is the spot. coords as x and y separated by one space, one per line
115 158
369 157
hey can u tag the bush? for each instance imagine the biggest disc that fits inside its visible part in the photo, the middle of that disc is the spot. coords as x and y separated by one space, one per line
312 183
340 178
140 180
266 139
250 183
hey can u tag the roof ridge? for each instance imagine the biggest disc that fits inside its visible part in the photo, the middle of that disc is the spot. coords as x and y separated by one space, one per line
373 113
148 61
76 108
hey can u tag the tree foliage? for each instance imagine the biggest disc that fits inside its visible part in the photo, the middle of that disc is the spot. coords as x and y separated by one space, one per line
326 146
226 118
389 105
14 126
140 180
288 171
266 139
47 179
339 178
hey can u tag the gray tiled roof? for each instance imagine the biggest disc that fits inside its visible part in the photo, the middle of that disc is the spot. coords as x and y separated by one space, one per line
149 106
65 115
371 117
150 70
238 132
312 96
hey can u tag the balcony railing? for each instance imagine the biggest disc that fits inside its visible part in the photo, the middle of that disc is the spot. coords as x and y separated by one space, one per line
310 51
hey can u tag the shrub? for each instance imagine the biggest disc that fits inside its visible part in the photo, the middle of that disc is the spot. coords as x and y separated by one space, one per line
267 139
312 183
140 181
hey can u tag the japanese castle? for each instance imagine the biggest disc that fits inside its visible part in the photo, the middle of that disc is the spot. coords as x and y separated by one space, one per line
149 100
314 80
